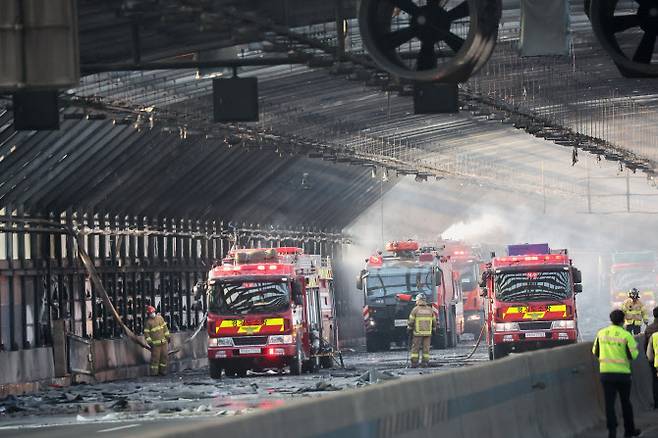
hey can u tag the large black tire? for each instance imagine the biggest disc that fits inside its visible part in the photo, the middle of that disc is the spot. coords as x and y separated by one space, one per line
310 366
452 327
375 24
215 368
297 364
500 351
374 343
440 339
327 362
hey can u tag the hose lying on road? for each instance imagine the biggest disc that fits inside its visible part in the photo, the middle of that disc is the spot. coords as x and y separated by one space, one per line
477 344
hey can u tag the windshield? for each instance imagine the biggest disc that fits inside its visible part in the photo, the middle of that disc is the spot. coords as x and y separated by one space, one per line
628 279
532 286
240 297
392 281
468 276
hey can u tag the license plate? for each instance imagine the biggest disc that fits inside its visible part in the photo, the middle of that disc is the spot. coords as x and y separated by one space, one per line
400 322
250 351
535 335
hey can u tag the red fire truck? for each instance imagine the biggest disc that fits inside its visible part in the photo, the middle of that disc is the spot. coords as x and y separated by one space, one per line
390 282
268 309
468 263
531 299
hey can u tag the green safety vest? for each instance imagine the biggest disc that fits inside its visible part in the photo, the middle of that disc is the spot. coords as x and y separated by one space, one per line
612 343
654 340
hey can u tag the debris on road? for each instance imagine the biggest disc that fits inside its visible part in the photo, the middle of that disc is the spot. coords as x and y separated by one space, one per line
319 387
376 376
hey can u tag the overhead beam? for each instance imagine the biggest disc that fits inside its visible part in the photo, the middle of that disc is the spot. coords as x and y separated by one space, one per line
182 65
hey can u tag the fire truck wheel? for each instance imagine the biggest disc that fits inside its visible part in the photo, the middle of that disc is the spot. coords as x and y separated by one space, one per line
326 362
297 364
439 340
215 369
241 372
309 366
500 351
372 343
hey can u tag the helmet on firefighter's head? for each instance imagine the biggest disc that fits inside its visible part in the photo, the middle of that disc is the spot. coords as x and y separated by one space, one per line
150 309
634 293
420 297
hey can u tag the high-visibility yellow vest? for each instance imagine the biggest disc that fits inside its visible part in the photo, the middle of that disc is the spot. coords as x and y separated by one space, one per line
634 312
612 343
654 339
421 320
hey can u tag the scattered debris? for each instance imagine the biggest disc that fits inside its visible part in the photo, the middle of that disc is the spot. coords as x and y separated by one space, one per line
375 376
320 386
70 397
121 404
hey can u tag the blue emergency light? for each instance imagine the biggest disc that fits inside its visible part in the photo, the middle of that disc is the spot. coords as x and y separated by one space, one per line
528 249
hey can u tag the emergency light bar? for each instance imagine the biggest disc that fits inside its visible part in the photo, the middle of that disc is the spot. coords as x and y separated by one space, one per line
533 259
528 249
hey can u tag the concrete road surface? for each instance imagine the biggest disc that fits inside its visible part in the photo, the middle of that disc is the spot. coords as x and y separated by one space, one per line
124 408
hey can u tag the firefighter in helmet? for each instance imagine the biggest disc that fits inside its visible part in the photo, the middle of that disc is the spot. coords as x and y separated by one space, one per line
422 324
157 336
634 312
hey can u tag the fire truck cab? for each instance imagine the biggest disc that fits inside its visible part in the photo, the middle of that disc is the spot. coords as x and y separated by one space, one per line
531 299
389 284
270 309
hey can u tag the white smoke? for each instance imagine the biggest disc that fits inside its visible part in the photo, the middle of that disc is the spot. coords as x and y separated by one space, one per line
482 228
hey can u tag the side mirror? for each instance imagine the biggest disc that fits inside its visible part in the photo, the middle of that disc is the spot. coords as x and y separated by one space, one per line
359 279
577 275
577 288
297 295
484 292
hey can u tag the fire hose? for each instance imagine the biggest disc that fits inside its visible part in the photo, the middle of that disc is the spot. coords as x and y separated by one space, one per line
107 303
477 344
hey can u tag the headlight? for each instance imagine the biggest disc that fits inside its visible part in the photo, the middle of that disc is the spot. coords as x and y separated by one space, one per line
506 326
371 322
475 317
220 342
280 339
564 324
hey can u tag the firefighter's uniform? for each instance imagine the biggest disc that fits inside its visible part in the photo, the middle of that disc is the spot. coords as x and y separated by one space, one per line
157 335
635 315
422 323
616 348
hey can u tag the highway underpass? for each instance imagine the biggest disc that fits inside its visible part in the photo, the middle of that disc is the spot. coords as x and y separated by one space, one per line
144 143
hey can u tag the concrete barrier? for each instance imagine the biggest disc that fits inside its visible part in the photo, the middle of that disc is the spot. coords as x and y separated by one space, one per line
544 394
123 359
29 370
26 365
